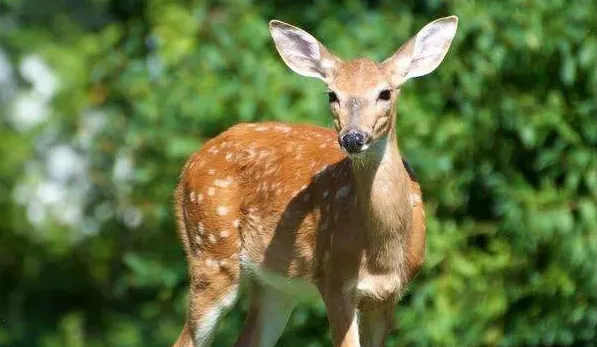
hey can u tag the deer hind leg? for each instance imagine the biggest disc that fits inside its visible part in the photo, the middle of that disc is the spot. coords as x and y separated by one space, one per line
213 245
213 291
267 317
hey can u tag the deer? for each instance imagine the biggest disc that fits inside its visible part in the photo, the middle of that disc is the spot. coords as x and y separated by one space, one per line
291 209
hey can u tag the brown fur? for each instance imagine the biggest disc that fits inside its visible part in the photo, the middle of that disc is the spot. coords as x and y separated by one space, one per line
284 204
301 213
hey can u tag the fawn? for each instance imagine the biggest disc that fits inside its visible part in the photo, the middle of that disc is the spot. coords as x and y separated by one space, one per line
299 208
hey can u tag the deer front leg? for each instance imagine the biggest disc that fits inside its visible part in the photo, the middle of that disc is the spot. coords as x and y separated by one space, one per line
342 316
339 298
267 317
375 324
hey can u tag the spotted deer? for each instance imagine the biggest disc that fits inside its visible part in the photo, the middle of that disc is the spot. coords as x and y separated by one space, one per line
292 209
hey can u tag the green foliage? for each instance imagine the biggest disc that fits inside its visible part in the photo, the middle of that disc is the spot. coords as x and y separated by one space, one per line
503 137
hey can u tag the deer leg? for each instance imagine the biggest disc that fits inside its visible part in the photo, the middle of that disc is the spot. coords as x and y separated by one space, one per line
375 323
184 339
213 291
342 317
267 317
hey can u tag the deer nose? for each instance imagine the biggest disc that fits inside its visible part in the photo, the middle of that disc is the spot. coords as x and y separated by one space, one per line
354 141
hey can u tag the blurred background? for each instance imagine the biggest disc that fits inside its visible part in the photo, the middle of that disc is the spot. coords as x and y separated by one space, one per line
101 102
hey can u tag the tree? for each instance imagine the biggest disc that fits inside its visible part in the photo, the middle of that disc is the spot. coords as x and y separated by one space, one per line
102 101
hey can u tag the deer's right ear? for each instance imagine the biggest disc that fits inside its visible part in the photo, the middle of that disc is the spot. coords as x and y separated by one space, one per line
302 52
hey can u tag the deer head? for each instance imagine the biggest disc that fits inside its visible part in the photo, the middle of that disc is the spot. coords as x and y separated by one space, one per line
362 93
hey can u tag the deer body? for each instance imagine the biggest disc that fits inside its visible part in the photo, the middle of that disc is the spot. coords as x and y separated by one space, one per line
292 208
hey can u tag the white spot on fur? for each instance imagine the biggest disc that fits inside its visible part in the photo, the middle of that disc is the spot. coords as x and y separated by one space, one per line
261 128
211 191
283 128
200 228
223 183
209 320
211 238
199 197
192 196
211 171
222 210
224 233
236 223
343 192
271 170
228 156
414 199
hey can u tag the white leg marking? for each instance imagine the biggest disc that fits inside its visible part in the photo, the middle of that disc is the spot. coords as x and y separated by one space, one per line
203 332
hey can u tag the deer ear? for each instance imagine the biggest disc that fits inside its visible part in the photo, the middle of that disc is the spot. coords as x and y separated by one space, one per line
302 52
423 52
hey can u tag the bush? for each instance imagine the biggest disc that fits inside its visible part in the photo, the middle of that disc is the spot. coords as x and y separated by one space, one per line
103 100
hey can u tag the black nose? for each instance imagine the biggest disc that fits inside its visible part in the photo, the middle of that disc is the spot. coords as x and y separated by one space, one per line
353 141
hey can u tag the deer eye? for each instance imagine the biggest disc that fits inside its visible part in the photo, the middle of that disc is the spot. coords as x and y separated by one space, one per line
332 97
385 95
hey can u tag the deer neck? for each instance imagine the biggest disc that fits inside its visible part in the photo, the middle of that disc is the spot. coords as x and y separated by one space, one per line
382 187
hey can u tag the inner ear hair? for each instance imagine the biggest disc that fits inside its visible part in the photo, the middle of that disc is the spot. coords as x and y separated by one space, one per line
302 52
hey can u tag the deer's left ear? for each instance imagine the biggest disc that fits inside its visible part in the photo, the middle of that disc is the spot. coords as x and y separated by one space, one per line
423 52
